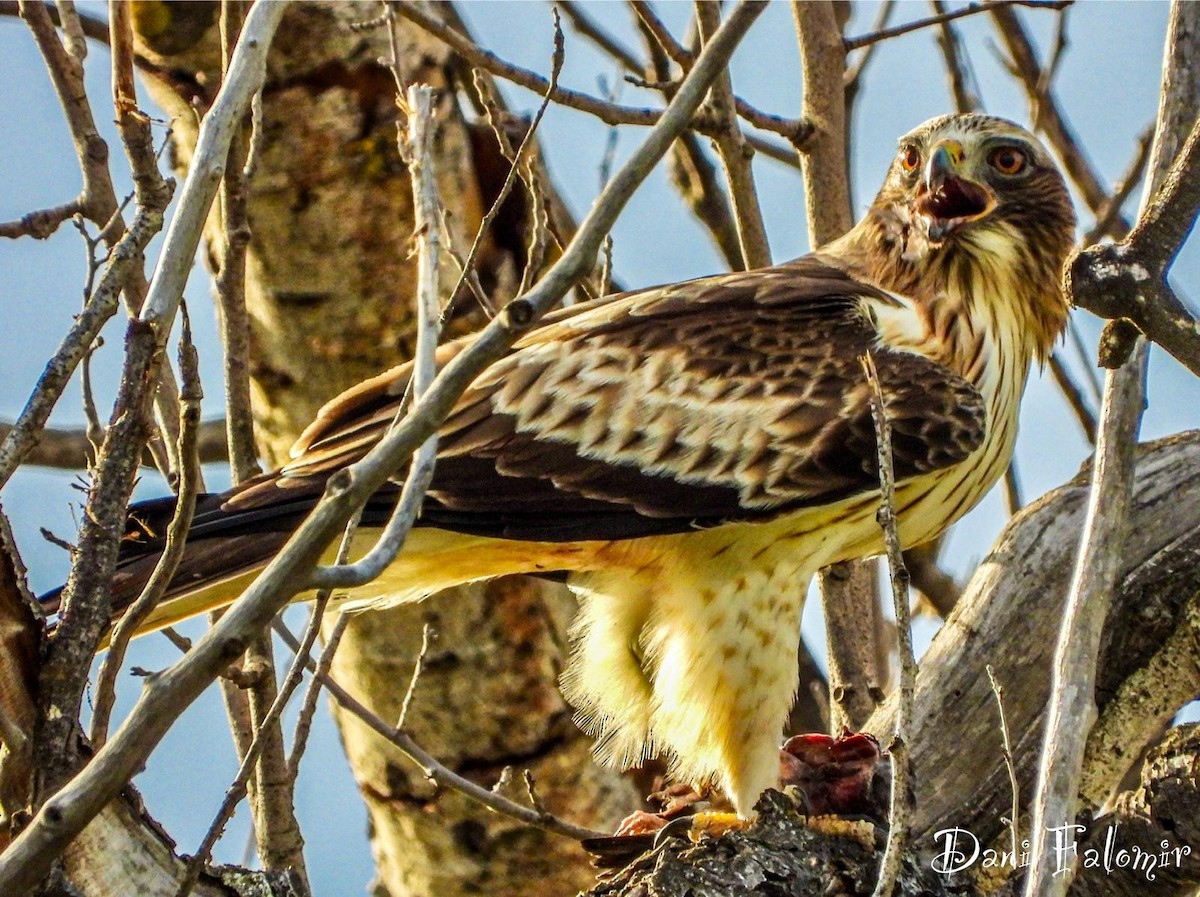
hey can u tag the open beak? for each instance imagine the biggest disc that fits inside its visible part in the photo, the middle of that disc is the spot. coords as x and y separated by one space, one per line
947 200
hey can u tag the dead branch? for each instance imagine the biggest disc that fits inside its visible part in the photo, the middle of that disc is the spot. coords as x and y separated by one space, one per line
1128 280
1074 396
468 273
85 605
1158 819
67 448
176 537
230 286
427 206
1050 119
954 55
691 169
42 223
98 199
935 584
1008 617
595 32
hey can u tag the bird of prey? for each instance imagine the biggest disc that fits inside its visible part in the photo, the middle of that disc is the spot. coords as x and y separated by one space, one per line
688 456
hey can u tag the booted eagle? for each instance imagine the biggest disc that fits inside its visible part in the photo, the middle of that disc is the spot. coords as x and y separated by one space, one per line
688 456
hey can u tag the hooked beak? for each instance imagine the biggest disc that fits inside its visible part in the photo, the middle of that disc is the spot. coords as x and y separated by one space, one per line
946 199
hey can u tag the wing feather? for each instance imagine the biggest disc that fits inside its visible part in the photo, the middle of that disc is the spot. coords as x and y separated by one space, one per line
726 398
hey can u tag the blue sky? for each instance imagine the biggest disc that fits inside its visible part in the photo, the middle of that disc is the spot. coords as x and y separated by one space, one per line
1108 85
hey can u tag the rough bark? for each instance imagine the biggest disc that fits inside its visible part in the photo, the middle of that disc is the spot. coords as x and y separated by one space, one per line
329 294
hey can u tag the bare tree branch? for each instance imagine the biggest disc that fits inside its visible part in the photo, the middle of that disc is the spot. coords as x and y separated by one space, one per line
431 768
1049 119
176 537
795 132
954 55
42 223
1129 279
854 43
67 447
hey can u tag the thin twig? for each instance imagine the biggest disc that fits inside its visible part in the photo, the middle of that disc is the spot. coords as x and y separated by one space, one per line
123 271
692 171
427 637
468 267
539 227
418 152
1058 48
1050 119
1085 360
595 32
653 25
1014 815
901 810
230 284
852 79
246 767
253 717
848 591
1108 213
1074 396
308 707
795 132
854 43
28 857
150 189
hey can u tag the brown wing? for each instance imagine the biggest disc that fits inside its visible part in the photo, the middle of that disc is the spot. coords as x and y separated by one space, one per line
726 398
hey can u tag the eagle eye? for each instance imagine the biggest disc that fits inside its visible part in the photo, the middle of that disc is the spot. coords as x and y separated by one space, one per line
1008 160
910 158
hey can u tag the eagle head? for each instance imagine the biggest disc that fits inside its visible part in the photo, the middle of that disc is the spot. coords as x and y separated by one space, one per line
974 218
974 183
